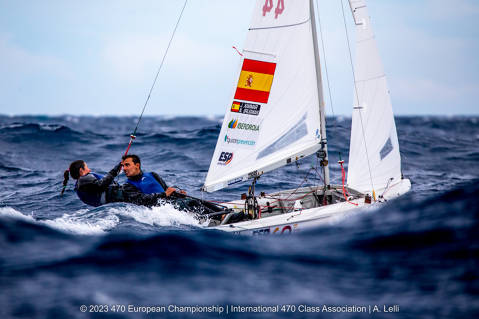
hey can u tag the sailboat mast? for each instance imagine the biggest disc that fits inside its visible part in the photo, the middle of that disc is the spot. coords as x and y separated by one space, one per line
322 115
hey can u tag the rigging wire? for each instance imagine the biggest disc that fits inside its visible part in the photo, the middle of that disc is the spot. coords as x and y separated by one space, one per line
133 135
357 100
325 62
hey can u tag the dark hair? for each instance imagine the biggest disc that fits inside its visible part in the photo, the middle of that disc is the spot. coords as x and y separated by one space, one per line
65 181
133 157
75 168
74 171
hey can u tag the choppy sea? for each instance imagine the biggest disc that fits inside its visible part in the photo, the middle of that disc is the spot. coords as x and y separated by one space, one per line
417 256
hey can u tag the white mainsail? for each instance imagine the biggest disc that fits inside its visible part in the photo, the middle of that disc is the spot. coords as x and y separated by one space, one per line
374 159
273 117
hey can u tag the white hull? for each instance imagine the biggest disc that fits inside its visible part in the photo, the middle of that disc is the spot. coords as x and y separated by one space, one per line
306 218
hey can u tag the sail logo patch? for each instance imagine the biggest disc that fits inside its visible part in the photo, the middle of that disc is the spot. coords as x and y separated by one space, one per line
225 158
255 81
239 141
233 124
245 108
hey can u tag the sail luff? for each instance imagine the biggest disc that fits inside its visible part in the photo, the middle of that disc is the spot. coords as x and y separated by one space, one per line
322 107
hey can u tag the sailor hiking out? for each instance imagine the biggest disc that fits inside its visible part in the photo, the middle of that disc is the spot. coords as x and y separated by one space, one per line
95 189
146 189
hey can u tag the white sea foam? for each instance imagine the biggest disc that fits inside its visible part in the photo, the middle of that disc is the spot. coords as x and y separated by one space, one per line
83 224
14 125
165 215
11 212
95 222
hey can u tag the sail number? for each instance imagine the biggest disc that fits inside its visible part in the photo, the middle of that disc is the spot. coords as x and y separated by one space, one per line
268 5
266 231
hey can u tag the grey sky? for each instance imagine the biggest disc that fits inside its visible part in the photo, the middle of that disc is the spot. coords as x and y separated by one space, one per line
100 57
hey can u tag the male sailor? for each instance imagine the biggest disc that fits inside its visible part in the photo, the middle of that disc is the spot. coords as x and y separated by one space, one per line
140 182
95 190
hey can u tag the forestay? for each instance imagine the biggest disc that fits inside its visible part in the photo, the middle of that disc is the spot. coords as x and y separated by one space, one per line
272 117
374 159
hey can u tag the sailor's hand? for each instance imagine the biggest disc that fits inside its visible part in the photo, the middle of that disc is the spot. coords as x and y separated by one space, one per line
169 191
117 169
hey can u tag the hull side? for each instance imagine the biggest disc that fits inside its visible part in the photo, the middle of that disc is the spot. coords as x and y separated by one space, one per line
307 218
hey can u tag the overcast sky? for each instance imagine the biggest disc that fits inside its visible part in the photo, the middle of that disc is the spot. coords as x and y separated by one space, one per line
100 57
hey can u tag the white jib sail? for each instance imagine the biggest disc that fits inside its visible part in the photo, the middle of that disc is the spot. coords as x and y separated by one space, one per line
374 159
272 117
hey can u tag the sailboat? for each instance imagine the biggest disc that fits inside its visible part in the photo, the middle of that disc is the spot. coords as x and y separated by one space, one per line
276 116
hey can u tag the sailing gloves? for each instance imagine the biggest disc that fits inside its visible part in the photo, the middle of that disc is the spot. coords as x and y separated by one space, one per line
116 170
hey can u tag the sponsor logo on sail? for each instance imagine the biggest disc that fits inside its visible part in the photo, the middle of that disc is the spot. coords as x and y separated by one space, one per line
239 141
233 123
245 108
225 158
242 126
248 127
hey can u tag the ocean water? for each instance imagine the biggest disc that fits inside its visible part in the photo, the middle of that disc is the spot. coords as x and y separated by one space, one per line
418 254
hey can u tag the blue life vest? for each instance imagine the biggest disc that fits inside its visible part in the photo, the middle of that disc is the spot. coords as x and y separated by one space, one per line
92 199
147 184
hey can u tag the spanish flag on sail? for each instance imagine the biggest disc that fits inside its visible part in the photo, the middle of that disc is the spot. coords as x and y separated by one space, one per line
236 106
255 81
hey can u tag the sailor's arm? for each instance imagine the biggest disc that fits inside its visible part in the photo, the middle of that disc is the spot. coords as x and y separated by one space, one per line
160 180
108 178
168 190
90 183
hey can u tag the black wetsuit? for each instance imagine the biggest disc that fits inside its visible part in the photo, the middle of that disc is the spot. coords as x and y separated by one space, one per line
96 190
178 200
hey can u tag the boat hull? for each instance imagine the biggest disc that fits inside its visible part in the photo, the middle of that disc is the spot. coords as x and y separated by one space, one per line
306 218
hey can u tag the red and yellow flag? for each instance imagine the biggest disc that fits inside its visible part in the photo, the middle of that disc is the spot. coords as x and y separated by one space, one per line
255 81
235 107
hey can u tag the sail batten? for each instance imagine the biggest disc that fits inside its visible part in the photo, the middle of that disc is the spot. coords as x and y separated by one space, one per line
280 26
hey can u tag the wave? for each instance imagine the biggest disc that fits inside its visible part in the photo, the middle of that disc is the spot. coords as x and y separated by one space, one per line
80 223
99 221
406 213
36 133
33 127
181 138
47 133
408 246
